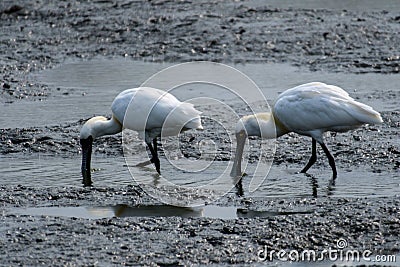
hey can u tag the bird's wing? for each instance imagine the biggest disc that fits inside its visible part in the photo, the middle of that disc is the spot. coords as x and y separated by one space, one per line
319 106
174 115
185 115
121 102
320 87
148 108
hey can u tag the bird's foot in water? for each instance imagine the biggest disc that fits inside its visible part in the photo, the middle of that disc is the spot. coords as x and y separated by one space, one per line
86 177
239 188
87 182
156 162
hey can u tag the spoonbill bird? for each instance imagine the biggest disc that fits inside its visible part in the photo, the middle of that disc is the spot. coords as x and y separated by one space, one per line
151 112
309 109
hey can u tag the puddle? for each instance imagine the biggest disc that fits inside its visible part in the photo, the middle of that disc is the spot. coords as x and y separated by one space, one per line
46 171
210 211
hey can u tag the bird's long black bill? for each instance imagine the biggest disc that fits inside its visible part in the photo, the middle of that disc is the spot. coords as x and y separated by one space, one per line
237 163
86 145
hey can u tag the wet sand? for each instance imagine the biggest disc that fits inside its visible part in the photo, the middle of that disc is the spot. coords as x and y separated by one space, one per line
41 35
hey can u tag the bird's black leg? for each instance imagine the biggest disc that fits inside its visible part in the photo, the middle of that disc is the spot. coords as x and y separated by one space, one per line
313 158
156 159
155 145
239 187
154 156
331 160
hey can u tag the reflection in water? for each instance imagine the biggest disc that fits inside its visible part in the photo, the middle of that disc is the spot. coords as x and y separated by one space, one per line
152 211
314 184
239 187
330 188
209 211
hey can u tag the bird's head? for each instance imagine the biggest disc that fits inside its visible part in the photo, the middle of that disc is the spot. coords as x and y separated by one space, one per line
93 128
87 135
241 135
261 125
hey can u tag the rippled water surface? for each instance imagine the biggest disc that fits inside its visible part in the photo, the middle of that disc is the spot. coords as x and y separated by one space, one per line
281 182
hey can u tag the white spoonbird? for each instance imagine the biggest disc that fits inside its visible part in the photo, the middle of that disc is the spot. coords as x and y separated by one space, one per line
309 109
146 110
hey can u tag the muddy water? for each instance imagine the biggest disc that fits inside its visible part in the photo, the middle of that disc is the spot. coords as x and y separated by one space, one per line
281 182
88 88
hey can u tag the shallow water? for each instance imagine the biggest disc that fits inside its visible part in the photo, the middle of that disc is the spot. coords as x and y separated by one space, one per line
209 211
280 183
100 80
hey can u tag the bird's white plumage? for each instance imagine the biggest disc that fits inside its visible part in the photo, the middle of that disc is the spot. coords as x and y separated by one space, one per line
150 112
309 109
147 111
151 109
99 126
314 108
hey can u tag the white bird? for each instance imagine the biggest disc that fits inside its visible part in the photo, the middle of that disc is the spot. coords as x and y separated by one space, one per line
146 110
309 109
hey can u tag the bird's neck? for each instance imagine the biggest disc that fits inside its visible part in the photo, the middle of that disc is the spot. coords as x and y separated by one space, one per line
280 129
106 127
270 126
263 125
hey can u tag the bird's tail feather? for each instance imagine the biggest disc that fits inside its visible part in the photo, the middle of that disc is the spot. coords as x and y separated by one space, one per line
367 114
184 117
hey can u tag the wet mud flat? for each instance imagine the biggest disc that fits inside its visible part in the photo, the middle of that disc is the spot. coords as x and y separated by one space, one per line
43 34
